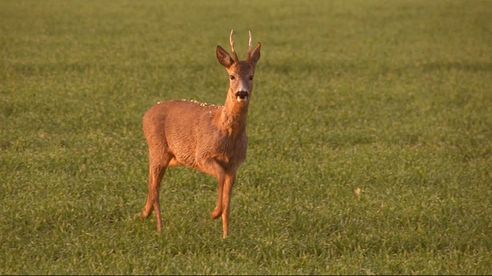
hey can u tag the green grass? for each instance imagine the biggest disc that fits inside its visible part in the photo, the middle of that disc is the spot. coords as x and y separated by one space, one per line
393 97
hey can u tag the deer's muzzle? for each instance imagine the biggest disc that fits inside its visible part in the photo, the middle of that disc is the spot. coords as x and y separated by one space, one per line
242 96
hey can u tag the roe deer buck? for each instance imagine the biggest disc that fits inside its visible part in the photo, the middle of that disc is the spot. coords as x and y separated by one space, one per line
211 139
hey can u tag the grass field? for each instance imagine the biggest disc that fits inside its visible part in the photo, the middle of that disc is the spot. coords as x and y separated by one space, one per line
390 97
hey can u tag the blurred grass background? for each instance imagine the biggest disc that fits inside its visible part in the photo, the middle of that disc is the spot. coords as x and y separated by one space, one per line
391 97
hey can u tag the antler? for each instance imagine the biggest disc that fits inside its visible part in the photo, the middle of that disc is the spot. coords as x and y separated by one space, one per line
231 41
249 41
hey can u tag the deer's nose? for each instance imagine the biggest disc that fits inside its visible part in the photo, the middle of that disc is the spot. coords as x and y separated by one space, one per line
242 95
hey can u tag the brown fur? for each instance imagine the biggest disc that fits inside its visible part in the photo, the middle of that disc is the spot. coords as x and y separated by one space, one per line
210 139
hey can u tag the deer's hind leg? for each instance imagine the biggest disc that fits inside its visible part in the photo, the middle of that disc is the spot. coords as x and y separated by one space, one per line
158 162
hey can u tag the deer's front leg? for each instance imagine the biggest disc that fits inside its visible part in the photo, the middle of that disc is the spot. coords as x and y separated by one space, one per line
226 201
218 209
214 169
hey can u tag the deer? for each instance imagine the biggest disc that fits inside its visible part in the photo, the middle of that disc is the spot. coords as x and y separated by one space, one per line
208 138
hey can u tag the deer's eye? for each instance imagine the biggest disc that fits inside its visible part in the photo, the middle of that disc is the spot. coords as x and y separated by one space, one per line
251 77
231 77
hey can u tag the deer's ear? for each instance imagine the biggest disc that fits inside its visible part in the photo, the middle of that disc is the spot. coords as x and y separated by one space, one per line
223 57
254 55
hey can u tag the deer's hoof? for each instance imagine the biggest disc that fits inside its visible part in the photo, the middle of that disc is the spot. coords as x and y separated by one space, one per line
143 215
216 214
138 216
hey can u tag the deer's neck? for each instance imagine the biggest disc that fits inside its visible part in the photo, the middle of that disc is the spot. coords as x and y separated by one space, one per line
233 116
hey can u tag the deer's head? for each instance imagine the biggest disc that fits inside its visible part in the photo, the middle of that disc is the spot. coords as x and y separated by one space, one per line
241 73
